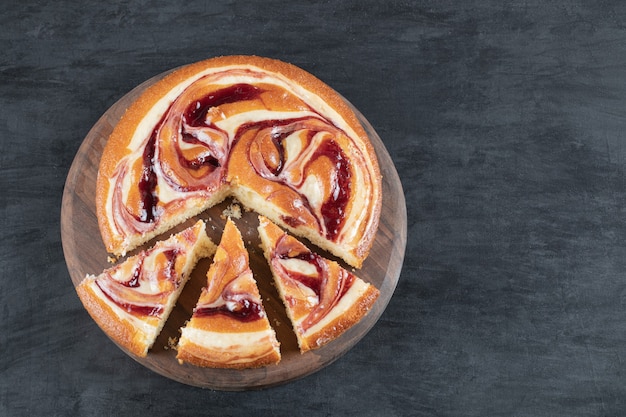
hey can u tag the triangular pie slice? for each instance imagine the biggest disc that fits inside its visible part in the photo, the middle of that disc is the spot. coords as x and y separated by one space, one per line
322 299
229 327
132 300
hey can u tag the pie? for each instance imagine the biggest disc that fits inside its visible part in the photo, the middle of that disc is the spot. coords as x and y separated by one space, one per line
132 300
322 299
265 132
279 141
229 327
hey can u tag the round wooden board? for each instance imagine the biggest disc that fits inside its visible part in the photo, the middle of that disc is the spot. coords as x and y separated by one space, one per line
85 254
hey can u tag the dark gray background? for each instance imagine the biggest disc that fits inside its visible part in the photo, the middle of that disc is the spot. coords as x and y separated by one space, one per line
506 124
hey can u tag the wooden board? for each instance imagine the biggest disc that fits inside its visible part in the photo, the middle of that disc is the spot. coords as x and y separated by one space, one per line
85 253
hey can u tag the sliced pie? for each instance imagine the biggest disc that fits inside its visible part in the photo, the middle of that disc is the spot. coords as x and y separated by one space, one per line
229 327
132 300
321 298
266 132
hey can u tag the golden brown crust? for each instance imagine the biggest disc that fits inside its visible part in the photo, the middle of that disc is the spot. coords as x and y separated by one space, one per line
194 354
120 331
342 323
116 147
224 324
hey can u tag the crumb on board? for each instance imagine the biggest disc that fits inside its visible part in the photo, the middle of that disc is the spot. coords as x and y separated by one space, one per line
172 343
111 259
233 210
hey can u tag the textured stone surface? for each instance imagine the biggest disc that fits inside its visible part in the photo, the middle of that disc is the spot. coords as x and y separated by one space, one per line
506 122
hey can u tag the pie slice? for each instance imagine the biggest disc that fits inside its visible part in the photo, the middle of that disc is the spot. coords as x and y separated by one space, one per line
229 327
132 300
321 298
266 132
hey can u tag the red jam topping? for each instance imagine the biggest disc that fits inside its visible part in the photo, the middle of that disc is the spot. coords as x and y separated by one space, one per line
126 294
239 308
189 153
146 308
194 117
148 183
196 112
268 159
328 291
333 209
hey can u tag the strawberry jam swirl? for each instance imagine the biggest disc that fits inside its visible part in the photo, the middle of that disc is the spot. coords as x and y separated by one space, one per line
327 292
320 169
146 292
226 293
153 278
292 149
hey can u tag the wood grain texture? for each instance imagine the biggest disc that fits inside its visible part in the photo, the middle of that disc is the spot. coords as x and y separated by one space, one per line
85 253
